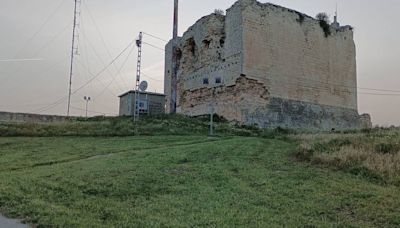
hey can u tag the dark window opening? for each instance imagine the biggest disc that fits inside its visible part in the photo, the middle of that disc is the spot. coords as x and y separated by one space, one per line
205 81
222 42
192 46
206 43
218 80
178 54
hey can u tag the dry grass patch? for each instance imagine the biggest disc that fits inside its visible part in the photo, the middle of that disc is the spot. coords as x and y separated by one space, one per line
374 154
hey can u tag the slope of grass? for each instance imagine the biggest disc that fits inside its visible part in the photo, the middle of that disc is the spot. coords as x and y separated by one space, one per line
165 172
176 181
124 126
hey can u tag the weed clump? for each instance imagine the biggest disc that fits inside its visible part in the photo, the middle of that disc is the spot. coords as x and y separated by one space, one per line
387 148
277 133
323 19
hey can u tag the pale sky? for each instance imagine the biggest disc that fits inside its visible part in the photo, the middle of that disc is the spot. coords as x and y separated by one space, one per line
107 27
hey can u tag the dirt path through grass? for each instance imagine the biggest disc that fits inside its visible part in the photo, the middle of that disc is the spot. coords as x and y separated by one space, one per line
11 223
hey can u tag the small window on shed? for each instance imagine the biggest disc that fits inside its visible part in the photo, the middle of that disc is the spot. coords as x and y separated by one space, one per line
218 80
205 81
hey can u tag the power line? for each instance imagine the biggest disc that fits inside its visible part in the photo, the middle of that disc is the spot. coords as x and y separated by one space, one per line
384 90
297 81
156 37
151 45
40 28
102 83
103 41
20 60
59 101
106 67
154 79
98 56
46 45
50 106
95 112
119 71
380 94
54 38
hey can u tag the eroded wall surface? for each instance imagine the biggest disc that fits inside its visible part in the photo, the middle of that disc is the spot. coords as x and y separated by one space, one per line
290 53
267 65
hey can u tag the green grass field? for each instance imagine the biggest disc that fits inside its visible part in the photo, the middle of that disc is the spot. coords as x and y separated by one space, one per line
186 180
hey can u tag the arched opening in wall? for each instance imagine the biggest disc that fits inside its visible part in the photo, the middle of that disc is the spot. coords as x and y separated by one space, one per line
191 45
178 57
178 54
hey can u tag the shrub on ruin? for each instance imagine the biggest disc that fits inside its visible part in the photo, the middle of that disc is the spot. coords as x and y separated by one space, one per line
324 22
219 12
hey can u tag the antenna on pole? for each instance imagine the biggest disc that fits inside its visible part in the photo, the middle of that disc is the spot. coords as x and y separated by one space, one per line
335 23
174 60
336 11
74 49
137 85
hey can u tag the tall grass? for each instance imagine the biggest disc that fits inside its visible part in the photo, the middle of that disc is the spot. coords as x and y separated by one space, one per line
374 154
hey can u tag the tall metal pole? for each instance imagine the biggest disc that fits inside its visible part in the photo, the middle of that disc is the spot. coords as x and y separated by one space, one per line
212 119
138 69
175 32
71 72
87 99
174 60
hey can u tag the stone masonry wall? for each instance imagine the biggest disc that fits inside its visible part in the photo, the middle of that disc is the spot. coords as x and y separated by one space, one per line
267 65
290 53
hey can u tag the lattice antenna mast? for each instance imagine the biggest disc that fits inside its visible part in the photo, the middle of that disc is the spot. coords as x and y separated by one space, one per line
138 74
74 49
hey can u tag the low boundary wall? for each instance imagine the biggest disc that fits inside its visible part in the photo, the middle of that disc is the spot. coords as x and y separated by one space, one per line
9 117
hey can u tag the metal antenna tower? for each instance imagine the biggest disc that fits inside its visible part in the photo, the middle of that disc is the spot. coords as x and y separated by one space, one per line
138 68
74 49
174 60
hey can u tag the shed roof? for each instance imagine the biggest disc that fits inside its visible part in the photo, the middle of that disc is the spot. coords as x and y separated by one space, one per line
148 93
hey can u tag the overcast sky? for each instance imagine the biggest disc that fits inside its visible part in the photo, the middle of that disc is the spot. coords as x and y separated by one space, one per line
40 32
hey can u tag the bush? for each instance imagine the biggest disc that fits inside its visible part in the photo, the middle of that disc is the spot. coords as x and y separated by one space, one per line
277 133
324 22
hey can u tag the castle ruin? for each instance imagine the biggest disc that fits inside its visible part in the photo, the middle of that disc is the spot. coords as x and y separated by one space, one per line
267 65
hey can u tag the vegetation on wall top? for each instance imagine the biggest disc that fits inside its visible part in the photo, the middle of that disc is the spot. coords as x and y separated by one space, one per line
324 22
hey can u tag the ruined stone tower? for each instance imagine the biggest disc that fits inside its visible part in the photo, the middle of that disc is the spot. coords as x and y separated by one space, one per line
267 65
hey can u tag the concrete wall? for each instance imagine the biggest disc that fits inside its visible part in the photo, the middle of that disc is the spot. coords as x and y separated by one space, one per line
9 117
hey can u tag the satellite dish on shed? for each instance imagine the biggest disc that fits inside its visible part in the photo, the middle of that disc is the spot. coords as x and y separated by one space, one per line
143 86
